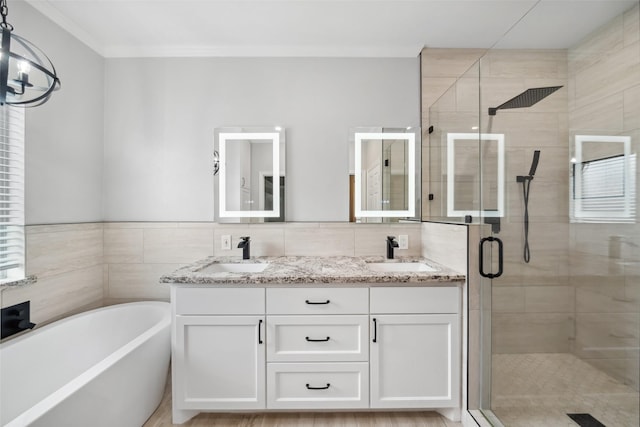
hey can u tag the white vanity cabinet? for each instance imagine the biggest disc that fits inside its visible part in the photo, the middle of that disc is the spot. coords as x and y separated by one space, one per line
321 348
218 350
415 347
317 348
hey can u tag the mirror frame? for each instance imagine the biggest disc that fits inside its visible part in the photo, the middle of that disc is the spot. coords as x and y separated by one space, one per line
410 137
223 137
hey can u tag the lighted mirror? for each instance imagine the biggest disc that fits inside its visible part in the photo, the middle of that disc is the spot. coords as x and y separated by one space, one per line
603 179
386 173
472 189
250 170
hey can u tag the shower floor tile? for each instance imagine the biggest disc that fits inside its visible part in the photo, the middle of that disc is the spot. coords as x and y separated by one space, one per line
533 390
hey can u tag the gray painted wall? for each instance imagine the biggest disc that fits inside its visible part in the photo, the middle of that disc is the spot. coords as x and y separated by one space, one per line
160 115
131 139
64 137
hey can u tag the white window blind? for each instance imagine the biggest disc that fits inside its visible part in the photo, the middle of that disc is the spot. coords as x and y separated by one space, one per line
607 189
12 238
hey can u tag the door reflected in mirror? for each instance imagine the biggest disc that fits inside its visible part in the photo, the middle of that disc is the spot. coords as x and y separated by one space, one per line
386 180
249 162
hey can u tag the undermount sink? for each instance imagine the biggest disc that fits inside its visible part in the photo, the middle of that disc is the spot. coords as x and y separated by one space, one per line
399 267
235 268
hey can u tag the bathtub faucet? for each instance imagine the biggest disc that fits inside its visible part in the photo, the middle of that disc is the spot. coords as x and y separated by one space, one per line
245 244
16 319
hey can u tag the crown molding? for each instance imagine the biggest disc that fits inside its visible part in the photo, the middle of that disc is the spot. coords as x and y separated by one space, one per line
404 51
50 11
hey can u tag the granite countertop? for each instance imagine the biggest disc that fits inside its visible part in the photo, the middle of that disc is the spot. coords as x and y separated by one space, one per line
29 280
301 270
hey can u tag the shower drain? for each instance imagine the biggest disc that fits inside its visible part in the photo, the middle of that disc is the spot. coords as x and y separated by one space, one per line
585 420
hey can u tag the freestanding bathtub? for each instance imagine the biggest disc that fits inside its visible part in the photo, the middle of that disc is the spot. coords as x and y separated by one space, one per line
105 367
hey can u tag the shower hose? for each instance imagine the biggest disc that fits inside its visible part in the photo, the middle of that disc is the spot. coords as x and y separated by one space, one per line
526 183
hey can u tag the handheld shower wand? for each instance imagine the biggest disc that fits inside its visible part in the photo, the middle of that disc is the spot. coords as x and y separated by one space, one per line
534 163
526 183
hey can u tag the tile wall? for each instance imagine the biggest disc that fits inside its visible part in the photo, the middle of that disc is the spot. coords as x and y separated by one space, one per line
86 265
137 254
604 258
69 264
523 318
533 304
440 69
581 291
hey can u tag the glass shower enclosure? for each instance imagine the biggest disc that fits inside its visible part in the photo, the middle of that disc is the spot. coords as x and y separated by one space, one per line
535 148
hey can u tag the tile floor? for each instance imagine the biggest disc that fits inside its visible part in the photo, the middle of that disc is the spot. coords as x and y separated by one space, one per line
536 390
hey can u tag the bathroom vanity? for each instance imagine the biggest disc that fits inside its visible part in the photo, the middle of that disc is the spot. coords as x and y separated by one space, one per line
305 333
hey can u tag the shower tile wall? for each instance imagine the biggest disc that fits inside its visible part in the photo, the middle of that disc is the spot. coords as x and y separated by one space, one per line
440 68
533 304
604 99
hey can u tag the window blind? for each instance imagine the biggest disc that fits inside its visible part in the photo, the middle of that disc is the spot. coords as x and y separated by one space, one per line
608 190
12 237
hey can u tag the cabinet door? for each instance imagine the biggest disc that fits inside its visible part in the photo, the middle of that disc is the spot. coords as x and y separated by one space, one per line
415 361
219 362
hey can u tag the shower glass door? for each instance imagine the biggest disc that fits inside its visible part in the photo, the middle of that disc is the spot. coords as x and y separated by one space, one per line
560 315
554 318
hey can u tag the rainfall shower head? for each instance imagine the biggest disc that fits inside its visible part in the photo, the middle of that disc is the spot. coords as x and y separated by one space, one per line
526 99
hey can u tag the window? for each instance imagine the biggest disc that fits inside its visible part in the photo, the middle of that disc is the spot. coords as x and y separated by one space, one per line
12 246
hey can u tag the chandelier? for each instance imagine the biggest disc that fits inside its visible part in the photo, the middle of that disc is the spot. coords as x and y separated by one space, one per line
27 76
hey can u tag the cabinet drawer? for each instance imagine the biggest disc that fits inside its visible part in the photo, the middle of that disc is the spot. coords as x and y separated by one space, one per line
317 385
415 300
318 301
317 338
218 301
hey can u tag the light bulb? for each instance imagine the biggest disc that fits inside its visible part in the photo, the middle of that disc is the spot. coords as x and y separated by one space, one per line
24 67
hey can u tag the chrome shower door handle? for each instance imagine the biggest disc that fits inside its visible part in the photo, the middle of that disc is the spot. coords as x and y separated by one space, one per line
500 258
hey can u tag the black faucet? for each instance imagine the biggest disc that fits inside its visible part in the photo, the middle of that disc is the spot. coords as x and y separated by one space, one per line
391 243
245 244
16 319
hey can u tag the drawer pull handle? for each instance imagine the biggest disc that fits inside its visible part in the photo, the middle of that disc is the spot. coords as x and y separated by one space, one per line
317 340
318 388
260 331
375 330
317 303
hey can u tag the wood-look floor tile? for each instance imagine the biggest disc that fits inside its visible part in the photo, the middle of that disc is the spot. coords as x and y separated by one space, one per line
162 418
